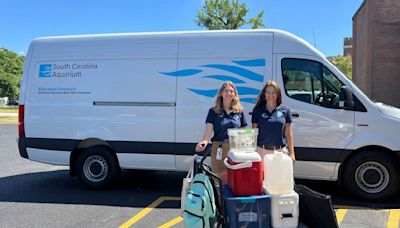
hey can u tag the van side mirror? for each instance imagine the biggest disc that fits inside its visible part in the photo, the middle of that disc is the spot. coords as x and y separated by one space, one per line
346 98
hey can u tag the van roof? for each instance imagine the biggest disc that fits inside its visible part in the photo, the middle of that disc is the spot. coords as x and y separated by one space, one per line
285 42
163 33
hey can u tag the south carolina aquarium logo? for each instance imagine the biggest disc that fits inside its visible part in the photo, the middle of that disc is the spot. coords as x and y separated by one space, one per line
45 70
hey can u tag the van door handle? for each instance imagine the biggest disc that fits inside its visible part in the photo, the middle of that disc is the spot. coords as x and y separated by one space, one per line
295 114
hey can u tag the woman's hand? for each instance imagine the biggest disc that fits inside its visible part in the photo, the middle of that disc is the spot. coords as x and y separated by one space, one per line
201 146
293 157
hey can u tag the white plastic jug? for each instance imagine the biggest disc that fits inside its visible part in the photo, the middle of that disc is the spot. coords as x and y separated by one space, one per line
285 210
278 173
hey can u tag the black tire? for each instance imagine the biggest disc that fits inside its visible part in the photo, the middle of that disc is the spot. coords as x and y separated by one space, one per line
371 175
96 167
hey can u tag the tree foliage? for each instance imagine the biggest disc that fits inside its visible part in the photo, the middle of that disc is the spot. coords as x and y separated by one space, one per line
11 65
344 64
226 14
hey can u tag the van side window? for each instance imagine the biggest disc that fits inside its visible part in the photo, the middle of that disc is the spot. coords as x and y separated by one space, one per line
310 82
331 87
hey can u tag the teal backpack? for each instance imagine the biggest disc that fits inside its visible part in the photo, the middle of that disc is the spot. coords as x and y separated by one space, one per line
200 209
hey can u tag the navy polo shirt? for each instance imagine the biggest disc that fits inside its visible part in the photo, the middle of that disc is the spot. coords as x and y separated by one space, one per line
222 122
271 125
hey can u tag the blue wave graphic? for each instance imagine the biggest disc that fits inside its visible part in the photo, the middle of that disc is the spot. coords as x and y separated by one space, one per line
248 100
225 78
207 93
182 73
251 62
238 70
251 93
247 91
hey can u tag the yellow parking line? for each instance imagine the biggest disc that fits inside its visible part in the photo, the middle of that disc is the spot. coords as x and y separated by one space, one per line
172 222
394 217
147 210
340 213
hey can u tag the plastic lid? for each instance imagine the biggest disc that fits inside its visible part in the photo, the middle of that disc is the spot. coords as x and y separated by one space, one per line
244 156
236 132
278 155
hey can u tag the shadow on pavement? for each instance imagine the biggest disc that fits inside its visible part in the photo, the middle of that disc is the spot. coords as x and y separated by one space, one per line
342 199
135 189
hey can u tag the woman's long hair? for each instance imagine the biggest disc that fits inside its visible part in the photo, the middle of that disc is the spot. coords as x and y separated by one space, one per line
262 100
236 107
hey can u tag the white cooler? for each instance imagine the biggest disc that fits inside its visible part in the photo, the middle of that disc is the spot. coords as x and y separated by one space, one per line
285 210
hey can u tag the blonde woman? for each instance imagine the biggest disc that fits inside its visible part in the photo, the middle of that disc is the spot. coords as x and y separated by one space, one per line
273 120
227 113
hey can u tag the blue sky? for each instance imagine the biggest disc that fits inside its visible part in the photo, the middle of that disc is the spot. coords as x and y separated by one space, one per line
23 20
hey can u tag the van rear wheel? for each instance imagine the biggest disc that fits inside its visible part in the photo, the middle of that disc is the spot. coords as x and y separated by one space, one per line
371 175
97 167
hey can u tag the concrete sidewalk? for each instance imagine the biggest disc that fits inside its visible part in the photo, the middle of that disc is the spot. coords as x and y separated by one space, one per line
6 114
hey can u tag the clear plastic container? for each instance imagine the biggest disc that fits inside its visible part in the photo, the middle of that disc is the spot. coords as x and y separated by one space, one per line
242 140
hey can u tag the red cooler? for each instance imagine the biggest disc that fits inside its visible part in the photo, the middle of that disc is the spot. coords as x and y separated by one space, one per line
245 175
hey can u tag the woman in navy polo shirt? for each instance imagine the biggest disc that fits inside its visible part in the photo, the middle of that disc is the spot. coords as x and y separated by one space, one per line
273 121
227 113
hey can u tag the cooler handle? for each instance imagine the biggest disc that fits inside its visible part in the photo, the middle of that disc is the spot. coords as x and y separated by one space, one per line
243 165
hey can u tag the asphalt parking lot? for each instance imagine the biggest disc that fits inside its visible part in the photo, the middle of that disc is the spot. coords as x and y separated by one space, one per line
40 195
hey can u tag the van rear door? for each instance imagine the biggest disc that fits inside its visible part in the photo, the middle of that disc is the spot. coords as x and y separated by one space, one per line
104 87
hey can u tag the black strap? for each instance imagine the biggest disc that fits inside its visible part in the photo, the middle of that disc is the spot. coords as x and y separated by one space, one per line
218 194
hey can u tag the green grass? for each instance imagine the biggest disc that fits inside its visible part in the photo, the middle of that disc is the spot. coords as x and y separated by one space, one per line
8 119
9 109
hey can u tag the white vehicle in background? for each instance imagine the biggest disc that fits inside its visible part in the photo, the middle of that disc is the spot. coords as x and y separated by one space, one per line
102 103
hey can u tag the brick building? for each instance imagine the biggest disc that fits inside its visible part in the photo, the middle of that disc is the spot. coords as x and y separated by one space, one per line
376 50
347 46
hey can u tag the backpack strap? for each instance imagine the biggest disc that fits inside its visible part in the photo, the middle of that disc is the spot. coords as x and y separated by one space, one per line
218 195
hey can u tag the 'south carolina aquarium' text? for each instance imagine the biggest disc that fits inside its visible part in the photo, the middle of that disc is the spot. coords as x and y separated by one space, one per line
71 70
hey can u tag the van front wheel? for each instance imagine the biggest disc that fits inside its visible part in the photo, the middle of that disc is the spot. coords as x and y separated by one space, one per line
97 167
371 175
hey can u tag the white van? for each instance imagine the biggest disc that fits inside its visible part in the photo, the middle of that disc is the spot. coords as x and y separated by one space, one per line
102 103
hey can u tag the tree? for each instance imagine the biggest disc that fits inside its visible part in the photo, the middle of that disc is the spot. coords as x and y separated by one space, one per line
344 64
226 14
11 65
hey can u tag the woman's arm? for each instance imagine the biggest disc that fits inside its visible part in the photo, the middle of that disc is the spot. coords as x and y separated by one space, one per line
243 122
255 118
208 133
290 140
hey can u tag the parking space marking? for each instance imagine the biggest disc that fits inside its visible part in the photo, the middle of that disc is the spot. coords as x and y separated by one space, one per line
172 222
340 213
147 210
394 217
392 221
